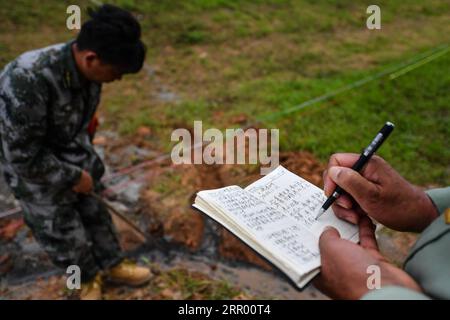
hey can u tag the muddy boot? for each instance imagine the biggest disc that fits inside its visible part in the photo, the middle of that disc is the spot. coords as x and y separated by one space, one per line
92 290
130 274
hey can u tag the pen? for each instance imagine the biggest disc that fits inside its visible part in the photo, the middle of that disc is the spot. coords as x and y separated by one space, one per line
359 164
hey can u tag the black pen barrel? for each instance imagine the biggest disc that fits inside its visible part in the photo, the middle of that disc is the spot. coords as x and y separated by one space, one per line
336 193
359 164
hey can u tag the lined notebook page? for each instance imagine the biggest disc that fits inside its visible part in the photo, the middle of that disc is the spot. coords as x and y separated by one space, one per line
281 234
300 200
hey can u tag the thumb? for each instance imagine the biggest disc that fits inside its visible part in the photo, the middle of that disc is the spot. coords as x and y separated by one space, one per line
328 236
352 182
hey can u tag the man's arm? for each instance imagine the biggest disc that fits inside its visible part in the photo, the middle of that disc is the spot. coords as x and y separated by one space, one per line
24 130
441 199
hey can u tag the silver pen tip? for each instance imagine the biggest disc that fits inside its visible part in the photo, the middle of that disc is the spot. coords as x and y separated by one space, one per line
321 211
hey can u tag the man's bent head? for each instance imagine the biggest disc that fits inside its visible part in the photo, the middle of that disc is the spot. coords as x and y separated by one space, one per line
108 45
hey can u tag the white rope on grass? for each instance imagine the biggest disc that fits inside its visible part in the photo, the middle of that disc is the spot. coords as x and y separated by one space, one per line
394 72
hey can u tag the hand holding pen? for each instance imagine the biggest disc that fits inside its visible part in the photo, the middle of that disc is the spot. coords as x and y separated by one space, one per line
360 163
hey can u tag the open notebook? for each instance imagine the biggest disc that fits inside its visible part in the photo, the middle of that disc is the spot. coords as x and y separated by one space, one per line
275 216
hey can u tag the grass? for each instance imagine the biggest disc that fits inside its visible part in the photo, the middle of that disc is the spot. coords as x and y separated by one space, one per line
180 283
167 183
419 147
223 58
194 284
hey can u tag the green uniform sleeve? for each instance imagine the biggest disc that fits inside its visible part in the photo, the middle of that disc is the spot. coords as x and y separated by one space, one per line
24 130
440 198
394 293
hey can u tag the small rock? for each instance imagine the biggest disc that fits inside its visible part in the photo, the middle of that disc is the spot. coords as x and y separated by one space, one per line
144 131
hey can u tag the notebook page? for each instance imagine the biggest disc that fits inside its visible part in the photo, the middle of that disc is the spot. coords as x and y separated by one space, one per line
300 200
289 269
280 233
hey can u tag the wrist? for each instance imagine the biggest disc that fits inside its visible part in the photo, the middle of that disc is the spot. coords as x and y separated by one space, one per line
426 209
394 276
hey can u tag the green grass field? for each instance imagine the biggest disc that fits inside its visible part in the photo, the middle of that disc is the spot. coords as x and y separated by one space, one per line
262 57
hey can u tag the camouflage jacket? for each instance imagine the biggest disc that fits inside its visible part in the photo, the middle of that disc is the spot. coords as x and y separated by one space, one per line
45 110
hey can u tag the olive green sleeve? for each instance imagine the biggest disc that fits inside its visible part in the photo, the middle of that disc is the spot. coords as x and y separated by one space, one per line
440 198
394 293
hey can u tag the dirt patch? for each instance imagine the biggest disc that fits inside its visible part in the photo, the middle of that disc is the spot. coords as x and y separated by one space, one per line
395 245
169 198
232 248
129 239
167 284
184 227
168 204
8 231
52 288
9 228
6 263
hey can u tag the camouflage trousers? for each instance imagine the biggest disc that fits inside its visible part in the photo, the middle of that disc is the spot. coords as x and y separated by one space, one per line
75 233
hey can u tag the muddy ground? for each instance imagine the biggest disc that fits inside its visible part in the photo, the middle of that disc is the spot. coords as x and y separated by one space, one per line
191 256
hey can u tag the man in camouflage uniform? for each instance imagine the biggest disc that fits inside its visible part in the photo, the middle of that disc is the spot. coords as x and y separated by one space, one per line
47 99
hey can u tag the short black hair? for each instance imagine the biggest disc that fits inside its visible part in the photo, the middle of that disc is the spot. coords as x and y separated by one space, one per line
114 35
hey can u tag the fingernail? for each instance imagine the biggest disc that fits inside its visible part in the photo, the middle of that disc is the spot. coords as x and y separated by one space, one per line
334 173
342 203
352 219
